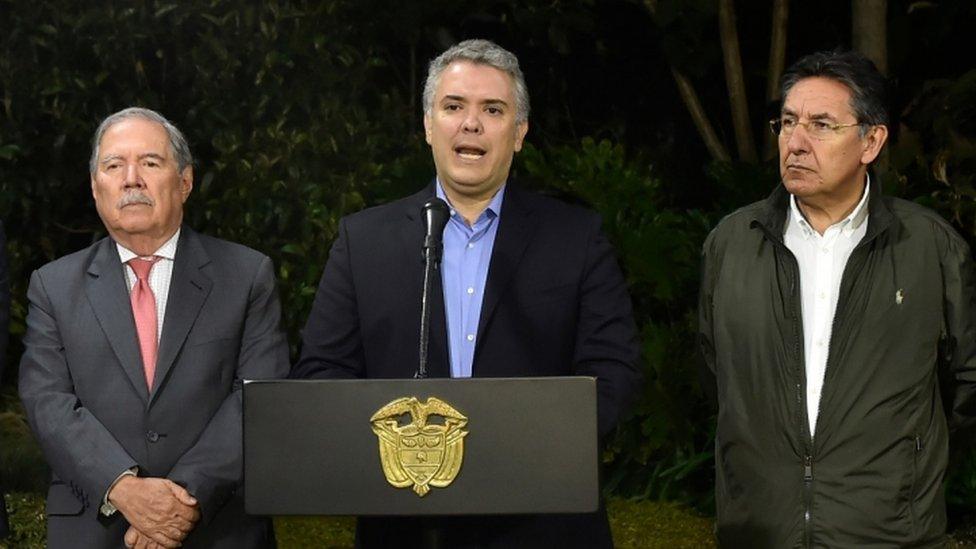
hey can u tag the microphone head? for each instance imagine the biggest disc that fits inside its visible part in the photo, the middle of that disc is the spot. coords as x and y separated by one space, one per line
436 214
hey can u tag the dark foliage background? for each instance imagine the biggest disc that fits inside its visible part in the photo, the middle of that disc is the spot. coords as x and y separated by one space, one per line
300 112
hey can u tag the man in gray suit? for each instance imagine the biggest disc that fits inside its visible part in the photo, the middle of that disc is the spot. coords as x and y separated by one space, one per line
134 355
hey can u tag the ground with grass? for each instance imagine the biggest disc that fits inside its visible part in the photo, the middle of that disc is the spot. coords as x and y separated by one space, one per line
635 524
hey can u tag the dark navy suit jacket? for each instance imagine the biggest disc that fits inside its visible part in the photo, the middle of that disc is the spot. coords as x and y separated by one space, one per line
555 304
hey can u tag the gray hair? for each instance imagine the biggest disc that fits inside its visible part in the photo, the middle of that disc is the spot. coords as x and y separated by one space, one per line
851 69
481 52
177 142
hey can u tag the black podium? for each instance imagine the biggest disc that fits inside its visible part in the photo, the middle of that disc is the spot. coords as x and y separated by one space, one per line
453 446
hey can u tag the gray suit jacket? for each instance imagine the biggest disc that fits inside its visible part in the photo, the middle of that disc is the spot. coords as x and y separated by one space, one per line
86 398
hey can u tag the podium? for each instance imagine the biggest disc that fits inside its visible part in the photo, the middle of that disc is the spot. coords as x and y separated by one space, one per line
388 447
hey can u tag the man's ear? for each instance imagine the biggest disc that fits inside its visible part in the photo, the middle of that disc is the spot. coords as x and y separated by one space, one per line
427 124
873 143
520 131
186 182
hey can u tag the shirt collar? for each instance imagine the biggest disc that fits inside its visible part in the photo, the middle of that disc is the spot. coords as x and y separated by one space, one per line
848 225
166 251
494 208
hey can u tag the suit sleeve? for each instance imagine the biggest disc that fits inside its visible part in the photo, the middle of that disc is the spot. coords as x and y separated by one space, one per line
607 346
332 345
212 468
76 444
959 342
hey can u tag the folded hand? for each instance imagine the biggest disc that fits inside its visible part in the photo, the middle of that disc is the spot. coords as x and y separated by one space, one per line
160 511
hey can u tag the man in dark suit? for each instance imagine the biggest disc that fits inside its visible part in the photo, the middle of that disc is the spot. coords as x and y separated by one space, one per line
528 287
134 355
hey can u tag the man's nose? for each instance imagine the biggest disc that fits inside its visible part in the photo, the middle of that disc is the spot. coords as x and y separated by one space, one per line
798 142
132 177
472 122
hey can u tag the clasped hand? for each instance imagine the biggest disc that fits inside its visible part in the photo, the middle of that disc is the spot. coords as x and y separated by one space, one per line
160 512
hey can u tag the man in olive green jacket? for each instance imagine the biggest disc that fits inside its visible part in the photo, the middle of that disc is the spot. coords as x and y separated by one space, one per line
827 314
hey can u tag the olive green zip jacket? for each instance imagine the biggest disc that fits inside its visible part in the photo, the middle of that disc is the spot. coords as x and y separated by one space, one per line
906 315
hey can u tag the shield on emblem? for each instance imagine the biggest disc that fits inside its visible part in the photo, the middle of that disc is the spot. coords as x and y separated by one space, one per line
422 452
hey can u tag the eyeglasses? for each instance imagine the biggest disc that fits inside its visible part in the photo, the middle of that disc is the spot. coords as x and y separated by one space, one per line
817 129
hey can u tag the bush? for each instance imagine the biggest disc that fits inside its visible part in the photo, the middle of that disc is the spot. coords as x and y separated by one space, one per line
278 162
27 526
664 451
22 466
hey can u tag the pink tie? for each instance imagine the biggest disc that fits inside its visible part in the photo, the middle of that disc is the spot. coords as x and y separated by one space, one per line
144 311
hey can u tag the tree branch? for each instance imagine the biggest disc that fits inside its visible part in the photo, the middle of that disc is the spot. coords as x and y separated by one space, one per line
777 61
869 32
705 129
735 81
690 98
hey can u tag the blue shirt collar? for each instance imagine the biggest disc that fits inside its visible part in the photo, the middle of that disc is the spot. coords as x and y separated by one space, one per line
494 208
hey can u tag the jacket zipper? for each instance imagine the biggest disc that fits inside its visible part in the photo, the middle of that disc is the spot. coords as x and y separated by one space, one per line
805 433
805 436
807 499
808 458
836 321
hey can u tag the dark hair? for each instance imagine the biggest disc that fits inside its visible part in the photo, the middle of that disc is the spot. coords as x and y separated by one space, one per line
852 69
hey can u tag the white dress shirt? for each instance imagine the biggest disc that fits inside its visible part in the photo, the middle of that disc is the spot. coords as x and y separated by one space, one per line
822 259
159 277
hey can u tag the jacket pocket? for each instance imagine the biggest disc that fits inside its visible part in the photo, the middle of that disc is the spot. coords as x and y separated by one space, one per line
913 493
62 501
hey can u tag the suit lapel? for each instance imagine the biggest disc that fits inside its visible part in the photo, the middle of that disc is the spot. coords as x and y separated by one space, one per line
108 297
515 229
412 243
188 291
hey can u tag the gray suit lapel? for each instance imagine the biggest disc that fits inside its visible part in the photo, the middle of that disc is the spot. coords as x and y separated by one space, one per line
188 291
108 296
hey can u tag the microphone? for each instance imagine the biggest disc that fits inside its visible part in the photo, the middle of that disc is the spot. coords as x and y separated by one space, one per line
435 213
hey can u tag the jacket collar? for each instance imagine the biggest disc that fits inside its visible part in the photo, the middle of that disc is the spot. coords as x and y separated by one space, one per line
771 216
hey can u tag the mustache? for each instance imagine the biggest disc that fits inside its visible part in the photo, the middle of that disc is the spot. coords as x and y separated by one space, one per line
135 196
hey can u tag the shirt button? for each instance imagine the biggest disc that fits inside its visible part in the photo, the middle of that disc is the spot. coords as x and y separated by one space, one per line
470 291
470 245
152 436
819 343
825 250
823 295
470 337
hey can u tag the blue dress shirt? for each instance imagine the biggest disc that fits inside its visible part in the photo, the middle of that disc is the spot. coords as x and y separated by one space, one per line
464 271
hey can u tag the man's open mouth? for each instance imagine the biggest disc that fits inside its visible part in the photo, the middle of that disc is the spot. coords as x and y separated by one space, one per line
467 152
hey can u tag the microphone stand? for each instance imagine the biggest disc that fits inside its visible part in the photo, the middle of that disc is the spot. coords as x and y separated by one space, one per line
430 266
435 214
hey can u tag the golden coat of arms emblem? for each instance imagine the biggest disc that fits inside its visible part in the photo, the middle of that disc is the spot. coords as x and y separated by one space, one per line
425 452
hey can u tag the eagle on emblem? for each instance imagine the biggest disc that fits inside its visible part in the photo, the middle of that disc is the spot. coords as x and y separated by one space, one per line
425 452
